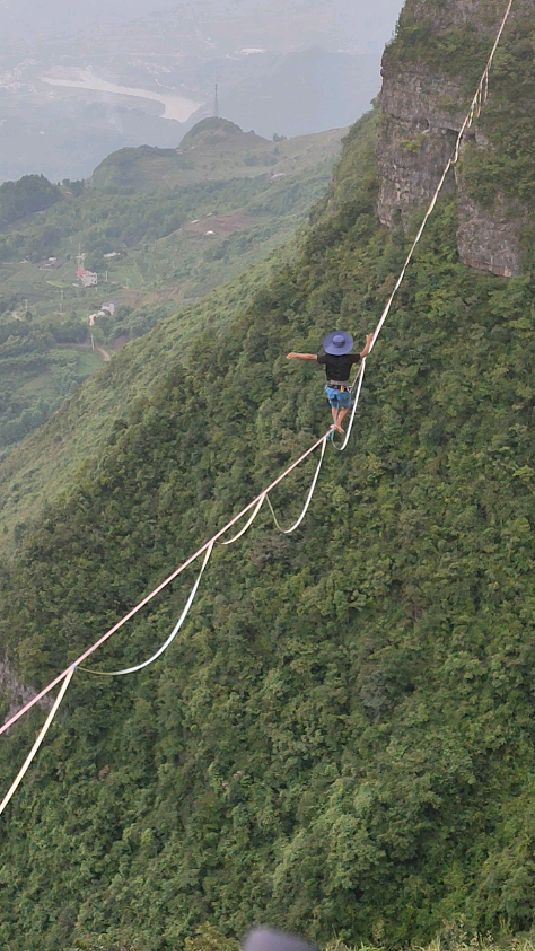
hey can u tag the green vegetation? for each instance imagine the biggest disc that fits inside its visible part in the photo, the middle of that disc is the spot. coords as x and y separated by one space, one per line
208 938
37 376
342 740
510 170
139 209
47 462
33 385
458 53
422 40
30 194
415 143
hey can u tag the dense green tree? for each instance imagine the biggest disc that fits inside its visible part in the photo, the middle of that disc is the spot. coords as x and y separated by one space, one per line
341 741
30 194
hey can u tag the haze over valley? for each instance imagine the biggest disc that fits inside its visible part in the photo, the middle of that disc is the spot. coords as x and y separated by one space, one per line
73 89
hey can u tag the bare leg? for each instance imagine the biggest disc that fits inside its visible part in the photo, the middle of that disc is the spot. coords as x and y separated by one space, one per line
335 414
340 419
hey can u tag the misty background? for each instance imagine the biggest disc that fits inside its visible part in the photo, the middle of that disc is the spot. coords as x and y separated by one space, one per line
77 82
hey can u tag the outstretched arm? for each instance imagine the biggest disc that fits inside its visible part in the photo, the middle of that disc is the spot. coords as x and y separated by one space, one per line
302 356
365 352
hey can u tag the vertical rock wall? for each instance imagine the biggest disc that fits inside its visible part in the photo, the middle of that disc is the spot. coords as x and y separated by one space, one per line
423 107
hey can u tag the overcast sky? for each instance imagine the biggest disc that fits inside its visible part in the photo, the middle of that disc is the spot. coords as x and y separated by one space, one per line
371 20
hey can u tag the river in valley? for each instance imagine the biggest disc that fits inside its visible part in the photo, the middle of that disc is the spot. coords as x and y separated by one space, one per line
176 107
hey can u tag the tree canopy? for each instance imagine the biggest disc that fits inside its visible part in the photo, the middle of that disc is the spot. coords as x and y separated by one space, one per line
342 740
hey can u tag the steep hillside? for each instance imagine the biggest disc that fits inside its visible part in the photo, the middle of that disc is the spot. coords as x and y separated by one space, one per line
214 150
47 463
160 228
342 741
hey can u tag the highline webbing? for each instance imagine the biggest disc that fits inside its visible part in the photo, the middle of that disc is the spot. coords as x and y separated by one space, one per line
65 677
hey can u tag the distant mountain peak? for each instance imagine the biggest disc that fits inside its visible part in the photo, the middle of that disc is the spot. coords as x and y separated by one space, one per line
215 131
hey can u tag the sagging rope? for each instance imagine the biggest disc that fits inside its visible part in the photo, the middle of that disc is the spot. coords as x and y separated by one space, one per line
161 587
288 531
480 98
249 521
167 643
35 748
477 103
189 602
170 639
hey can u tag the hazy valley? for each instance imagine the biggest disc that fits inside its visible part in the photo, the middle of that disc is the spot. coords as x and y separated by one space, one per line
290 69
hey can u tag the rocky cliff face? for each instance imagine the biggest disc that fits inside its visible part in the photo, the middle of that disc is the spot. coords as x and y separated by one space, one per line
430 74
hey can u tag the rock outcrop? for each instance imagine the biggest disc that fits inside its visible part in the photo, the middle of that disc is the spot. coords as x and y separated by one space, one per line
423 107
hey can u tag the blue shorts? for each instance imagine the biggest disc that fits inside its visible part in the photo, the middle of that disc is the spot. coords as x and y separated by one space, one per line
339 399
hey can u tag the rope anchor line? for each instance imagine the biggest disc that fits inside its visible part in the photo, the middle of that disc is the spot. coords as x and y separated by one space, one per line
38 742
172 636
288 531
478 101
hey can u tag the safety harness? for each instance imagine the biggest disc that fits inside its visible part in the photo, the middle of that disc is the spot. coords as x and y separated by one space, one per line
343 385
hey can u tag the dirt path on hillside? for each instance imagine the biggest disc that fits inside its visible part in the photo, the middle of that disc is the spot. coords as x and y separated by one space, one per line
86 348
105 354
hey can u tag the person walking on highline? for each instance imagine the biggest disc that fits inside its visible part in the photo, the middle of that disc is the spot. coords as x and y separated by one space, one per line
337 360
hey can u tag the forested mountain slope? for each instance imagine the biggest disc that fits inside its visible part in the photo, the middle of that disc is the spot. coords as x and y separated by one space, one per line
47 462
342 740
161 228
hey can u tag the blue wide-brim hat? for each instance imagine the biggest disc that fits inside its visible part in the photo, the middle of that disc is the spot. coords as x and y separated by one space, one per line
338 343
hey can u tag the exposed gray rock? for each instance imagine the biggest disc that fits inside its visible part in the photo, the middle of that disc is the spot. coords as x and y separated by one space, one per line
488 240
421 119
422 114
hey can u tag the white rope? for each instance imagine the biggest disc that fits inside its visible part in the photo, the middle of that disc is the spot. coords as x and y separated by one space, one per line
35 748
479 99
249 522
288 531
15 717
173 634
359 382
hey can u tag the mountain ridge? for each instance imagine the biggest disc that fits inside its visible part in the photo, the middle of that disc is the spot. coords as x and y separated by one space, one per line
342 741
161 230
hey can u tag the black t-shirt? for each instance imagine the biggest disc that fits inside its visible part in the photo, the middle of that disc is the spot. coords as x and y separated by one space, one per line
338 368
